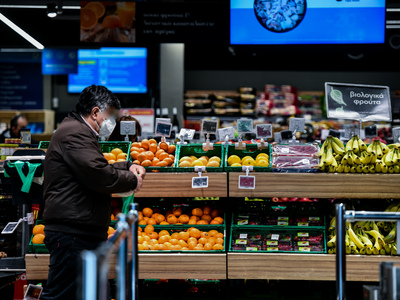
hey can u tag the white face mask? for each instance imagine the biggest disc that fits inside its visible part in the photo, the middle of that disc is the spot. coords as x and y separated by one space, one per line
107 127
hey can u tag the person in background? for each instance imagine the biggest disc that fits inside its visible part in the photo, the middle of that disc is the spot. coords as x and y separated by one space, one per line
116 134
78 183
14 132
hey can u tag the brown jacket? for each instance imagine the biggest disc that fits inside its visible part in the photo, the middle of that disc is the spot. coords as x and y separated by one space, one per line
78 181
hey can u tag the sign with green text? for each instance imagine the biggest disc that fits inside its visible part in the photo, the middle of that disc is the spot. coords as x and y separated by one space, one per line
358 102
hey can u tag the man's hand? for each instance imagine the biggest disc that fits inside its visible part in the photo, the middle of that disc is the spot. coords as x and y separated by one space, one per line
140 173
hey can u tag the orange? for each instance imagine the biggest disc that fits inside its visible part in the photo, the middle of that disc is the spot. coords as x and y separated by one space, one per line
142 222
140 216
177 211
121 160
171 149
219 235
140 239
136 144
162 247
109 156
176 247
184 219
195 218
205 234
191 245
174 241
163 156
213 232
197 212
185 249
171 219
153 148
146 239
145 247
202 222
152 141
140 229
162 164
163 146
148 229
219 241
111 161
214 213
140 247
145 144
110 230
214 222
38 229
150 155
136 162
38 238
168 161
206 218
211 240
153 242
163 239
171 157
184 236
164 223
146 163
142 157
155 161
192 221
175 235
195 233
163 232
219 219
88 19
137 149
152 221
97 7
218 247
191 240
146 219
142 150
198 248
147 212
116 151
160 218
202 241
112 21
206 210
208 246
159 152
122 156
168 245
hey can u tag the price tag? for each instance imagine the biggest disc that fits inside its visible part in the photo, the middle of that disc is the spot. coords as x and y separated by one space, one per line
358 102
334 133
200 182
263 131
275 237
303 234
283 218
243 222
272 249
278 137
241 242
187 134
10 227
371 131
209 126
303 243
314 218
305 249
282 223
285 150
247 182
305 161
163 128
396 134
224 132
297 124
302 224
245 125
243 236
251 249
272 243
350 130
128 128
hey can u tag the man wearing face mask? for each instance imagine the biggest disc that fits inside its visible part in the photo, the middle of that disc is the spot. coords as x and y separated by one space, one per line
78 183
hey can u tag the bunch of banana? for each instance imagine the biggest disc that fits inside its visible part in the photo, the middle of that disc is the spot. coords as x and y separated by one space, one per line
391 159
330 154
367 237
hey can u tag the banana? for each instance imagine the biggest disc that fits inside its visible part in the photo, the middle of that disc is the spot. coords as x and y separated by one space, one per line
336 148
365 169
371 168
332 242
388 160
355 145
322 150
344 159
347 169
378 238
370 147
329 155
375 251
321 168
359 168
332 224
385 169
355 239
340 168
385 148
396 156
378 167
352 245
349 145
373 157
374 226
347 239
388 248
338 157
330 251
363 251
350 160
331 169
353 169
366 159
338 142
362 145
379 152
391 170
396 169
356 159
394 250
368 251
322 160
391 236
348 250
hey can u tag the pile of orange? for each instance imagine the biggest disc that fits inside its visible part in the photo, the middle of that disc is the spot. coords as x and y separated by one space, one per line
148 154
116 155
185 240
38 234
90 14
198 216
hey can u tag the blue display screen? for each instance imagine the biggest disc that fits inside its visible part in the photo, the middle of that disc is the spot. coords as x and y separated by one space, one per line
279 22
121 70
59 61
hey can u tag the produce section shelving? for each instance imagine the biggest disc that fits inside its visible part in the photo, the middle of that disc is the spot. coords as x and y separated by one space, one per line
256 265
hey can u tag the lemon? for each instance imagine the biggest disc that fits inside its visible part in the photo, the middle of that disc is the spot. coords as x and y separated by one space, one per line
234 159
236 165
212 163
216 158
203 160
249 162
262 163
193 158
247 157
185 164
197 163
204 157
262 155
187 158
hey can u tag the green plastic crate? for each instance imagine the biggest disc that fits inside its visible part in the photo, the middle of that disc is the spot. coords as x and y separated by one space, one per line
161 169
251 150
44 144
197 150
106 147
37 248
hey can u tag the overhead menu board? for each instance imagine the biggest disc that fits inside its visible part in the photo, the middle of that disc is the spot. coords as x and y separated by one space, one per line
358 102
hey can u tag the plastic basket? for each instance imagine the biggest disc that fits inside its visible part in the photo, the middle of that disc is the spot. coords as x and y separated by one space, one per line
251 150
197 150
107 147
37 248
44 144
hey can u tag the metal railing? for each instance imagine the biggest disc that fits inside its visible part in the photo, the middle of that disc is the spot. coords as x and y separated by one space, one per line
95 264
343 216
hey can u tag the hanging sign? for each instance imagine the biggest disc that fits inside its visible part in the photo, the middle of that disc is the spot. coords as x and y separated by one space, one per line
358 102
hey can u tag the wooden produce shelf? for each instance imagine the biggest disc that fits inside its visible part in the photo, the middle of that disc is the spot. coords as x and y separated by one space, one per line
151 266
319 185
180 185
303 266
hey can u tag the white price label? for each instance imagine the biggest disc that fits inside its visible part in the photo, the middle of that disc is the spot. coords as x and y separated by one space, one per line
187 134
163 128
200 182
297 124
285 150
396 134
264 130
226 132
243 236
247 182
305 161
275 237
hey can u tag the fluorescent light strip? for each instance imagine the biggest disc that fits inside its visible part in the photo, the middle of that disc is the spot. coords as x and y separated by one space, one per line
21 32
38 6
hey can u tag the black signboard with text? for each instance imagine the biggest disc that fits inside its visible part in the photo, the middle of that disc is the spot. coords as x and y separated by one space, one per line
358 102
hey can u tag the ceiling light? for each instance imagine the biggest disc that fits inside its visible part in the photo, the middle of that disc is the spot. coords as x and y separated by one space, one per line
51 10
22 33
